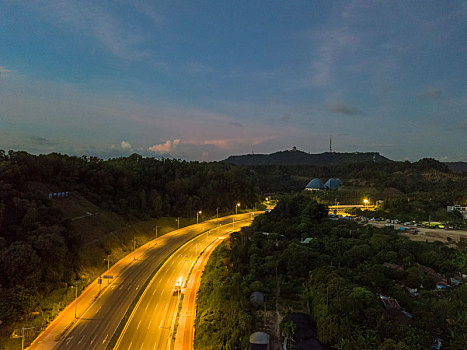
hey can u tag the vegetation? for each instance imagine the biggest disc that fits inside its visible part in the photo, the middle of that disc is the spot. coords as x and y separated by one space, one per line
40 241
338 279
409 191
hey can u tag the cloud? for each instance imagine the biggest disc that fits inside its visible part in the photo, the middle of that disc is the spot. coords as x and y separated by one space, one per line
168 147
433 93
94 20
126 145
285 117
342 108
37 140
463 124
237 124
197 68
4 70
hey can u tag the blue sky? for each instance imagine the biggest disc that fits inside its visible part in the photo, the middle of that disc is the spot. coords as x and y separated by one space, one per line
202 80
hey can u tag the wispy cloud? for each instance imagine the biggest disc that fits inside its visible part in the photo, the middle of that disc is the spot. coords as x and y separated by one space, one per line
4 70
342 108
93 19
237 124
285 117
41 141
432 93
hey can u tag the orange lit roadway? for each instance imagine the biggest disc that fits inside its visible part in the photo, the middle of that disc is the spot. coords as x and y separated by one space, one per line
97 323
152 322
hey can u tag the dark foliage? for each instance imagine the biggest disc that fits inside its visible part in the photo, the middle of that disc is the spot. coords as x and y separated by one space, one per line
337 278
36 244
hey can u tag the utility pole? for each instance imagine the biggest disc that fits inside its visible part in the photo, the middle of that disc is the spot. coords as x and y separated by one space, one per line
22 336
108 261
76 297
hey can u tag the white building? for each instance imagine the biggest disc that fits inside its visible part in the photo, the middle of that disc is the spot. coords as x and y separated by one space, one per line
459 208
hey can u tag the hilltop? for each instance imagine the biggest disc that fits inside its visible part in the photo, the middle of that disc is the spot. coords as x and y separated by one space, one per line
295 157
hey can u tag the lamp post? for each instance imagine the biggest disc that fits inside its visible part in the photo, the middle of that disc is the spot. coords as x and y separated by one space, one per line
217 213
108 261
178 223
197 216
156 230
22 336
365 203
76 297
236 208
134 248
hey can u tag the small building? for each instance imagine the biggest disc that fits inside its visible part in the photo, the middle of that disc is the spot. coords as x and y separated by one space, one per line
459 208
314 185
332 184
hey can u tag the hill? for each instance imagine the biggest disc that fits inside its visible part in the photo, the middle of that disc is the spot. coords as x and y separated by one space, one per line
457 167
60 216
302 158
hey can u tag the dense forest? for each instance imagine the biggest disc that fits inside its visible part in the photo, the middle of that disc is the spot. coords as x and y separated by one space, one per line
363 287
37 248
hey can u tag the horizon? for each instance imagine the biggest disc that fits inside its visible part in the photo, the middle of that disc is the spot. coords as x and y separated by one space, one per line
204 81
158 157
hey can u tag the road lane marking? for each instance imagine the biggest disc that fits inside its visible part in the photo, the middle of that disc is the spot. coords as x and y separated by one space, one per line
149 324
146 308
105 339
138 324
142 344
81 340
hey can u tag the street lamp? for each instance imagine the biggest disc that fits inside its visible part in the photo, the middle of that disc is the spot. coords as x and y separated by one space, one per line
236 207
76 296
197 216
365 203
22 336
108 261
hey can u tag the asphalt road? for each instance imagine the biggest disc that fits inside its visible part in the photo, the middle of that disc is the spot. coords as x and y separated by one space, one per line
152 321
96 325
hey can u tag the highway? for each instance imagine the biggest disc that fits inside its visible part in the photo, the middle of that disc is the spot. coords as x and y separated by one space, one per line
97 323
152 321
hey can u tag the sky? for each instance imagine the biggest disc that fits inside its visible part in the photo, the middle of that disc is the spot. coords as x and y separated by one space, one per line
202 80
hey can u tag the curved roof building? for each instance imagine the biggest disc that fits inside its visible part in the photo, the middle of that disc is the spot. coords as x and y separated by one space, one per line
333 183
314 185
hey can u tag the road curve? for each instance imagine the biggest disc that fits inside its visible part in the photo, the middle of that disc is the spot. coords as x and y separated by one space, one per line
99 314
151 324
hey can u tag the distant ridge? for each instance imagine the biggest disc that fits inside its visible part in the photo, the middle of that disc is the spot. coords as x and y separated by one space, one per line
457 167
296 157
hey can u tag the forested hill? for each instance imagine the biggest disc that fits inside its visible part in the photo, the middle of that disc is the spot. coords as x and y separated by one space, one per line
40 241
303 158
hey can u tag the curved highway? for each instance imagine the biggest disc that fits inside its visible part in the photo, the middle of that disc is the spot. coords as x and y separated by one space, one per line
151 324
96 324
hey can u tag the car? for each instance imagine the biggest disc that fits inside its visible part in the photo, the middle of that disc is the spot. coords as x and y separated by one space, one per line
177 288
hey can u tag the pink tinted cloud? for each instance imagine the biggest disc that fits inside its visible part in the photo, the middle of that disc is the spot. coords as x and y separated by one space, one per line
168 146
